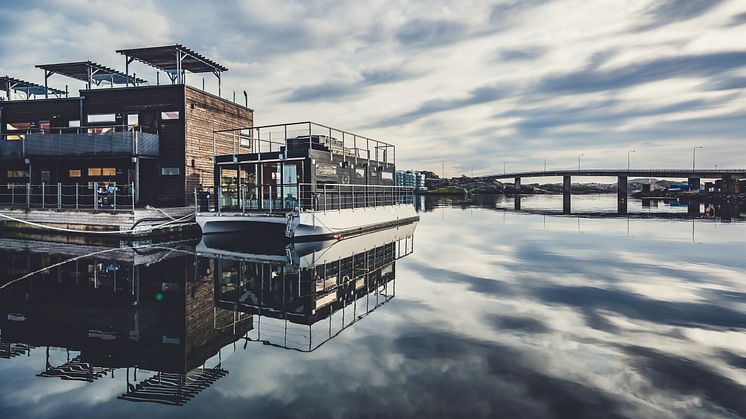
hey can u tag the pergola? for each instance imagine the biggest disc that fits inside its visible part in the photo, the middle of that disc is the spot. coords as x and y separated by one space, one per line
9 84
174 60
89 72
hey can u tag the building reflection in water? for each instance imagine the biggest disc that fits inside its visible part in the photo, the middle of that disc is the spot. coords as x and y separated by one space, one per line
303 295
163 316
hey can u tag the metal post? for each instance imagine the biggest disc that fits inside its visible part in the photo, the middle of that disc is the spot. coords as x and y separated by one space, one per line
339 197
12 196
95 195
217 198
270 199
76 196
42 195
324 198
132 195
28 195
115 196
59 195
353 197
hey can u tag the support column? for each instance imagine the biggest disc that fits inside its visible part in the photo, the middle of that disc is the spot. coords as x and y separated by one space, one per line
694 184
692 208
566 194
622 194
517 185
517 202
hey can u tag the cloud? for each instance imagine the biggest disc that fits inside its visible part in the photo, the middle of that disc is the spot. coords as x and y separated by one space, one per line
666 12
596 80
687 376
738 19
335 89
475 97
430 33
703 315
520 54
388 67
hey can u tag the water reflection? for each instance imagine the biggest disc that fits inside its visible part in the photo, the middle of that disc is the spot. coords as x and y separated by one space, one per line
496 314
159 318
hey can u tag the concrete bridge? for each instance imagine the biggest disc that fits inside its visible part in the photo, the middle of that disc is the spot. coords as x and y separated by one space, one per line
730 178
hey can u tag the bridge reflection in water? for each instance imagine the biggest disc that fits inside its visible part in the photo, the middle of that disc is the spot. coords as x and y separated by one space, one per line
694 209
161 318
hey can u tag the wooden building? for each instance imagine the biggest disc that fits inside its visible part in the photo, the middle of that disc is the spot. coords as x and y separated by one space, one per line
154 141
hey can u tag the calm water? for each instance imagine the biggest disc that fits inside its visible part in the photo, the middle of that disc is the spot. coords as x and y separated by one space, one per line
478 312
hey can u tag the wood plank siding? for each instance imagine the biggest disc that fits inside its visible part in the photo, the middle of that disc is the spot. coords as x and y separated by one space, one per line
204 114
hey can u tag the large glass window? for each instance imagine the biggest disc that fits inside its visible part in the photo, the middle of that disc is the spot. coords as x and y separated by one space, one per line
290 179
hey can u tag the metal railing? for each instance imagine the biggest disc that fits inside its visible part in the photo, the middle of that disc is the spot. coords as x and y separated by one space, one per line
120 140
105 197
302 136
299 196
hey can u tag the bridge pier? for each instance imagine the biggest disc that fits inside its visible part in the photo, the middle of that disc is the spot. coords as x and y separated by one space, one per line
621 194
517 202
566 194
692 208
517 185
694 184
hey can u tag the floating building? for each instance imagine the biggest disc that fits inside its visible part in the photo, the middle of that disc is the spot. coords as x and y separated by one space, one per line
153 142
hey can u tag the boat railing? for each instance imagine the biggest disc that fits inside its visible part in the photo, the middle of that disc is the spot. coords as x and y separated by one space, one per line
301 136
283 198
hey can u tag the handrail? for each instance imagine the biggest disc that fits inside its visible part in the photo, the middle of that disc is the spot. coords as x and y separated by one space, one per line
284 198
290 135
106 196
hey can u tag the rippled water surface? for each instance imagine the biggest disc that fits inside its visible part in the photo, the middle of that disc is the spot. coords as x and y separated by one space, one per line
481 312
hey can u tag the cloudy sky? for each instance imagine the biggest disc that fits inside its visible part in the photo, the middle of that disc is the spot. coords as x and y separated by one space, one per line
471 83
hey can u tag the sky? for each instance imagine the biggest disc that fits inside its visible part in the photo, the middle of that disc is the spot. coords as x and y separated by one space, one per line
471 86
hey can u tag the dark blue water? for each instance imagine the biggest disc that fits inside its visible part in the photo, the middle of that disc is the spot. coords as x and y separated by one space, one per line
481 312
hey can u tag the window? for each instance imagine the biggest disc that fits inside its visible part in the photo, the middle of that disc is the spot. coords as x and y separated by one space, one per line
101 117
17 173
170 115
387 175
102 171
170 171
74 173
18 126
75 123
133 119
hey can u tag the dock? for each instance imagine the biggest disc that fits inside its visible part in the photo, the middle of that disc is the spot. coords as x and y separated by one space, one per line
142 222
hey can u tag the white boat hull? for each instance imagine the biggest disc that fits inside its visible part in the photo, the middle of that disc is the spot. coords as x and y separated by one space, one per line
310 224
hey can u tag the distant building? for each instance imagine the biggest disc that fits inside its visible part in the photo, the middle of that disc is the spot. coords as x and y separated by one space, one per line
411 179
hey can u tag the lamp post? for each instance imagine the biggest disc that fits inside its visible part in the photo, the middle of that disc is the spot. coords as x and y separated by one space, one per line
505 165
694 156
579 156
545 164
628 153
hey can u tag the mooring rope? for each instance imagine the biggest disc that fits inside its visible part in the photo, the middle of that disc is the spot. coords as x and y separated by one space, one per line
66 230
